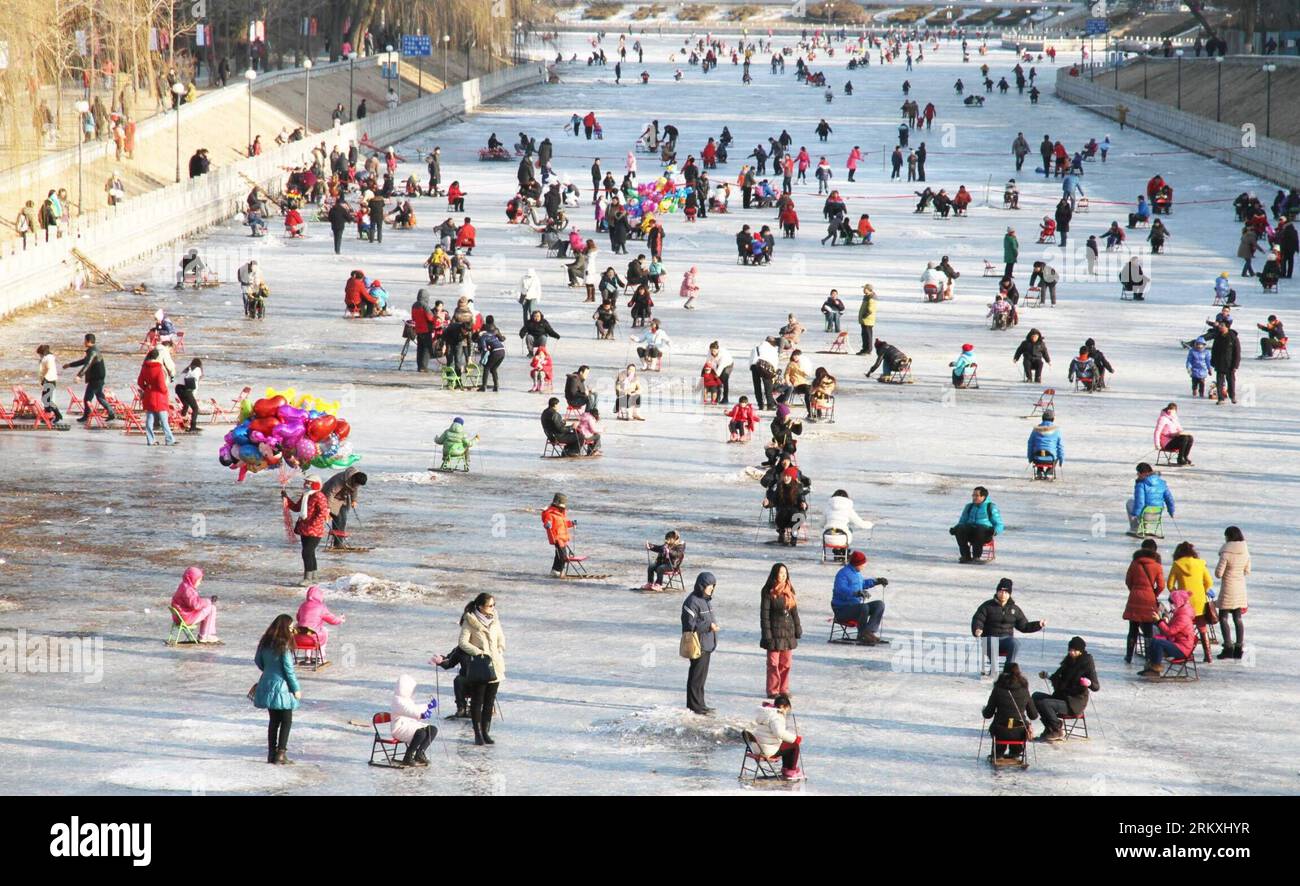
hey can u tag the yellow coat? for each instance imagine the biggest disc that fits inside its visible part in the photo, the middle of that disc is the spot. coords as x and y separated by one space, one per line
1192 575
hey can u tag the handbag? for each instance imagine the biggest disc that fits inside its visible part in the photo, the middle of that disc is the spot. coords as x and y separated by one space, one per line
480 669
690 646
1211 613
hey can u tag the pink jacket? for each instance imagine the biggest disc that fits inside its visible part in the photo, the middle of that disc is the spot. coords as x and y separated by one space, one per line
186 599
1178 629
689 286
314 614
855 156
804 161
1167 427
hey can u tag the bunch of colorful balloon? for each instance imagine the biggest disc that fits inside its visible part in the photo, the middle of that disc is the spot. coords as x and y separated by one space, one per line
661 195
284 427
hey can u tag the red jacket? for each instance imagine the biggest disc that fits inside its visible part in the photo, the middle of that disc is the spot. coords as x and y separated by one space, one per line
353 292
589 120
789 216
1154 185
744 414
557 525
710 152
318 511
454 193
961 199
465 236
1145 580
422 317
1178 629
153 387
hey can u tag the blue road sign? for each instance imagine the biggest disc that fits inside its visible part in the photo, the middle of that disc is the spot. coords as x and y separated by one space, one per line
1097 26
417 44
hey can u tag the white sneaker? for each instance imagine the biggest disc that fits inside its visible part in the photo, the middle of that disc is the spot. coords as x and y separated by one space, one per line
210 640
555 573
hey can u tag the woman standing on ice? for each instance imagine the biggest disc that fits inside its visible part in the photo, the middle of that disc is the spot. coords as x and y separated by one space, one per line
277 691
1232 569
1145 580
697 618
482 639
313 510
781 630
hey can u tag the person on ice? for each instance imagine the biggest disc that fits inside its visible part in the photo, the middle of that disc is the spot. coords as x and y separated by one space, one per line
1072 684
980 521
841 518
1045 447
196 610
668 558
1083 369
1149 491
1177 637
1189 573
999 619
965 360
342 492
277 691
410 722
1169 436
555 519
1008 706
455 444
698 619
312 509
851 599
775 737
1198 366
314 614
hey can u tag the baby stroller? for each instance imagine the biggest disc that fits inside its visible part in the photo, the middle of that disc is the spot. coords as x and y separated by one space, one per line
1047 233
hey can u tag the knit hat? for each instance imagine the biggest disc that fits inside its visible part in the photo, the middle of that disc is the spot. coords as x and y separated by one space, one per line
966 348
1004 585
1077 643
791 472
857 558
1049 415
560 500
458 420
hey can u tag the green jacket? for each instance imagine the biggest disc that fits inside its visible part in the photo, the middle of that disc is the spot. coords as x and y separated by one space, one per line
1010 248
453 441
867 311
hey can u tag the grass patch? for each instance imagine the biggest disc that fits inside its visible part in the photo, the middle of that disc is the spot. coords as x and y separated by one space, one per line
654 10
696 12
745 13
841 13
602 11
910 15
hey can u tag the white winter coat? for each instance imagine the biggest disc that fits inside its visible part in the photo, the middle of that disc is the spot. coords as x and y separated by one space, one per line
530 286
934 276
723 360
770 730
764 351
406 711
841 515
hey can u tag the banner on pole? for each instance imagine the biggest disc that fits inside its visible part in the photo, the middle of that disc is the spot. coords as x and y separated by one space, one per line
417 45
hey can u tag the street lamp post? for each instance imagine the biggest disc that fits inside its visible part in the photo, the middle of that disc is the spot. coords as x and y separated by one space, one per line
1218 98
178 89
1268 100
1146 55
352 57
446 41
1179 53
250 75
388 60
83 108
306 113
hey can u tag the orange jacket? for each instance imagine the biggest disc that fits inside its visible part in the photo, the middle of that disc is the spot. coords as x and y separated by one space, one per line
557 525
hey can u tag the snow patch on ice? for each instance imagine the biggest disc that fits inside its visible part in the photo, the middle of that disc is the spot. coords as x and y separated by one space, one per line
8 604
675 726
747 475
419 477
294 346
206 776
912 478
361 585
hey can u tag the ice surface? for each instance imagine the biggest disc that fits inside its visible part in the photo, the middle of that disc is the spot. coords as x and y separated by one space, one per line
98 528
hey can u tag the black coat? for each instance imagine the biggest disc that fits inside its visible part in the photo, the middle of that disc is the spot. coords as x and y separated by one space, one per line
538 329
697 615
553 425
1032 350
1225 355
780 627
339 216
1290 240
1008 702
1066 685
575 390
1002 621
1063 216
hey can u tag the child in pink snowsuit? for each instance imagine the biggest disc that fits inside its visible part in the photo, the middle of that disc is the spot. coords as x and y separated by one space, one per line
689 289
194 609
314 614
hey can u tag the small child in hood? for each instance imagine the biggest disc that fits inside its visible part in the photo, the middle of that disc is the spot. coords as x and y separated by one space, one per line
540 369
690 289
668 558
410 722
194 609
1198 366
314 614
